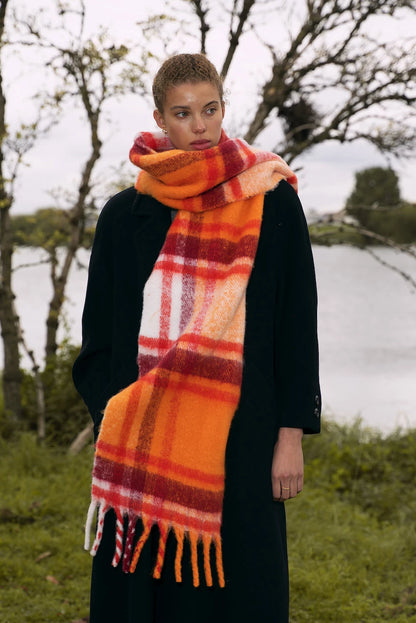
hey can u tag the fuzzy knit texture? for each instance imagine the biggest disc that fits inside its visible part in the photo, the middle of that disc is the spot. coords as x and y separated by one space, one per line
160 453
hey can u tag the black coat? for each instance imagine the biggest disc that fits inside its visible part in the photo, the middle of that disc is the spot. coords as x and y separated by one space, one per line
280 387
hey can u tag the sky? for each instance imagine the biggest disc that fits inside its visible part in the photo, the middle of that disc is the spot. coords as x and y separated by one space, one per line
326 173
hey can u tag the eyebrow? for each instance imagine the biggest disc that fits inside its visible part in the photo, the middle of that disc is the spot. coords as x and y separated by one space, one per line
189 108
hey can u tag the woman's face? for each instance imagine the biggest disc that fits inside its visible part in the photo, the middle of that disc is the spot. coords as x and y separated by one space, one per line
192 116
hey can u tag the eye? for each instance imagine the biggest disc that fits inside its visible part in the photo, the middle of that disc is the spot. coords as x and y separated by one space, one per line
211 110
181 114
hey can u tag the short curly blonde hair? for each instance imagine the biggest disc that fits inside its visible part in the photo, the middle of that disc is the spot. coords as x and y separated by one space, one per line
183 68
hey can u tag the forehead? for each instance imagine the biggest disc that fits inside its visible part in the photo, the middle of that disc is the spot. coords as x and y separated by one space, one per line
192 93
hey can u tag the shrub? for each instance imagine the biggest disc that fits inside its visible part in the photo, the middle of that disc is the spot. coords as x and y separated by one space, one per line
66 413
361 466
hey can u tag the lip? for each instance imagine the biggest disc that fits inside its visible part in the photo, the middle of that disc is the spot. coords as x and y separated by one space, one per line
202 144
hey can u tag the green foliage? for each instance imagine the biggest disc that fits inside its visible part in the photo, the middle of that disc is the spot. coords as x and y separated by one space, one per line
398 223
7 425
375 187
364 469
66 414
351 533
44 571
376 204
347 567
48 228
329 234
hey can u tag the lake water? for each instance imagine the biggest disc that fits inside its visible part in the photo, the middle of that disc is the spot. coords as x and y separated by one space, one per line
367 329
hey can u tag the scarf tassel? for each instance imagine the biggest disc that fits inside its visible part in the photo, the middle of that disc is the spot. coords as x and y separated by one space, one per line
130 558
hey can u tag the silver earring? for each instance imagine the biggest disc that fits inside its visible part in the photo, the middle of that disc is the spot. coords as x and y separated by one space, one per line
164 130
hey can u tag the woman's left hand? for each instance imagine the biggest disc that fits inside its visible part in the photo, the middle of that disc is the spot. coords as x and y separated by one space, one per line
287 465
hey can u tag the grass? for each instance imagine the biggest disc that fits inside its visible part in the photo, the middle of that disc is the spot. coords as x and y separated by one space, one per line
351 533
44 575
329 234
346 566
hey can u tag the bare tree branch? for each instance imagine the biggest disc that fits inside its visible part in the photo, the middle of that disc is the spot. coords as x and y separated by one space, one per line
390 266
235 31
9 319
330 51
201 11
40 392
341 221
87 73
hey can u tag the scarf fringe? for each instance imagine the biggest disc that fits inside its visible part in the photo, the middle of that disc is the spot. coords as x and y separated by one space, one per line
190 357
130 559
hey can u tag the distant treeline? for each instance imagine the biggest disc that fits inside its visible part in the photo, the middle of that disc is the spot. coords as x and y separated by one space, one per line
49 227
397 224
374 210
46 228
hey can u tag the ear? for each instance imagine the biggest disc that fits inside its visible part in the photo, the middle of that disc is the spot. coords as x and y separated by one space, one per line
223 109
157 116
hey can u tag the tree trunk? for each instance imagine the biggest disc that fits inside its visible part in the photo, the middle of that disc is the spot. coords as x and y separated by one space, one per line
81 440
12 376
235 34
8 317
77 227
259 122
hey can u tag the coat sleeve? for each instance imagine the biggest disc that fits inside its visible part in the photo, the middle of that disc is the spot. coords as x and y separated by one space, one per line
297 359
91 371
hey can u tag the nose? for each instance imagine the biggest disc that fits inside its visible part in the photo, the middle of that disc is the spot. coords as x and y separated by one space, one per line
198 126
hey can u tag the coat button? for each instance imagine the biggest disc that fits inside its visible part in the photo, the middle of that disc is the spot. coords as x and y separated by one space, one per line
317 400
316 412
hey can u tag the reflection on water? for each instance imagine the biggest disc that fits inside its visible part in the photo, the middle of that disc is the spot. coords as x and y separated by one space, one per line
366 324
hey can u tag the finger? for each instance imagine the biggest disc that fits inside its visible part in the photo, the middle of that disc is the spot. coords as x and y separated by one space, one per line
285 490
295 487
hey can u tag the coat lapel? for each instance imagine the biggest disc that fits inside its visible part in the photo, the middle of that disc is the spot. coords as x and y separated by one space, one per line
152 221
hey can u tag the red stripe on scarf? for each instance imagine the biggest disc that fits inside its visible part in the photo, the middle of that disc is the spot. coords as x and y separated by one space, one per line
161 450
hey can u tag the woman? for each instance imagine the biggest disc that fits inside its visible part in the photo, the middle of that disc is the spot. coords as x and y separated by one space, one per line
208 261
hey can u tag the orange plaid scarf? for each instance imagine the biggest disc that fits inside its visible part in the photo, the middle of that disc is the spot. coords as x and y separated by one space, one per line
161 449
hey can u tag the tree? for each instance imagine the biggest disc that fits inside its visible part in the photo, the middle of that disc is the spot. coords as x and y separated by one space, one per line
330 80
14 145
376 187
377 206
327 80
47 228
374 214
11 370
87 72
